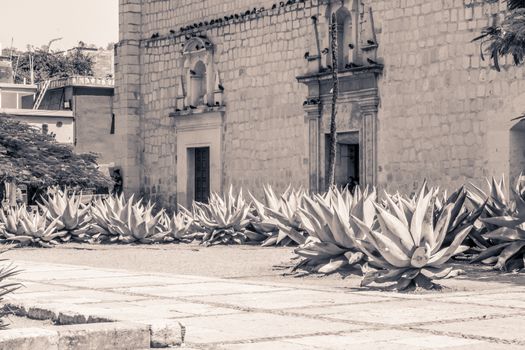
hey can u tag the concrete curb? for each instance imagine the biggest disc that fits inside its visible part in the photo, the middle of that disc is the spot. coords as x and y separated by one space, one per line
77 331
117 335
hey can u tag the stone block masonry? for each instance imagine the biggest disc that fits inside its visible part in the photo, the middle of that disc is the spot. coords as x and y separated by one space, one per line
258 61
444 114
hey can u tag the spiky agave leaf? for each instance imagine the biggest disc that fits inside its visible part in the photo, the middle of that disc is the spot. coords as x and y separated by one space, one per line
74 217
331 244
505 239
410 252
176 228
224 220
127 221
280 221
28 228
7 287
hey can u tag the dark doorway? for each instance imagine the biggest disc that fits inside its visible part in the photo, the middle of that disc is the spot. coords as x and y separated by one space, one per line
202 174
347 171
347 159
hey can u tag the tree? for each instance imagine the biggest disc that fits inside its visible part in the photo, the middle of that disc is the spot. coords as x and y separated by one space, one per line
53 65
508 37
333 115
30 157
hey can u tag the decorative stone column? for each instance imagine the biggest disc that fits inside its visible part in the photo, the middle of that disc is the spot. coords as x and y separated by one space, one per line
313 119
368 140
127 100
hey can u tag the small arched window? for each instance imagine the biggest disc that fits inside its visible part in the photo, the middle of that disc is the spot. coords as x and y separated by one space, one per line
198 84
344 37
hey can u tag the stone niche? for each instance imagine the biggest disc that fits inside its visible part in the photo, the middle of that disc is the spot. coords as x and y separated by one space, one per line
198 120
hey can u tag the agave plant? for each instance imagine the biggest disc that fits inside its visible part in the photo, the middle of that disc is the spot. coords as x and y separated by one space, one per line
408 246
175 228
461 216
26 228
126 221
225 220
505 221
73 216
6 287
278 218
331 244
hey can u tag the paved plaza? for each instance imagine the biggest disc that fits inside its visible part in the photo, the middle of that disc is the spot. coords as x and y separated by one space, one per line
240 313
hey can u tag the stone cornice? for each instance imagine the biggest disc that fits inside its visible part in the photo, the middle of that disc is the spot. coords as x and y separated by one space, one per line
343 74
167 38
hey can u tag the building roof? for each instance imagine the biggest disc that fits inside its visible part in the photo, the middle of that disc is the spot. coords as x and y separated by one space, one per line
18 87
37 113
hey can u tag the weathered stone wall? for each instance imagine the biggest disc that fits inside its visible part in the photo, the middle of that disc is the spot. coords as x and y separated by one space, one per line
445 114
127 101
93 112
258 61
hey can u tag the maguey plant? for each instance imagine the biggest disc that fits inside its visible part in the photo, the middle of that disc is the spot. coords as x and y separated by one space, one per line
6 287
331 244
461 216
408 246
127 221
278 218
29 228
224 220
73 216
176 228
505 223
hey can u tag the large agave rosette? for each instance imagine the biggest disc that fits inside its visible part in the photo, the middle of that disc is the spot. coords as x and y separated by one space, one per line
126 221
25 228
505 221
278 218
224 220
408 247
331 245
73 216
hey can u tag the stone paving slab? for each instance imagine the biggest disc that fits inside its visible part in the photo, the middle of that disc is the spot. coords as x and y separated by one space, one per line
508 329
289 299
253 325
205 289
510 299
218 313
402 312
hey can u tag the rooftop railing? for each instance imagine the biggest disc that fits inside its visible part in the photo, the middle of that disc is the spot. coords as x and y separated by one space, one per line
81 81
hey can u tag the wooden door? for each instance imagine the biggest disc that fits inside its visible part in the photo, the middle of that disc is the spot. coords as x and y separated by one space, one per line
202 174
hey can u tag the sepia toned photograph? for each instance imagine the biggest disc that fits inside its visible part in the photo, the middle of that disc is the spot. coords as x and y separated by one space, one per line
262 174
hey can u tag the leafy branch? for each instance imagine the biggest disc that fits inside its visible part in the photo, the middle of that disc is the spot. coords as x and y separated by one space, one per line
507 38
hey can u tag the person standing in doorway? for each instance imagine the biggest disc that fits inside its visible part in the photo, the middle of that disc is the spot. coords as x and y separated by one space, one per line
118 183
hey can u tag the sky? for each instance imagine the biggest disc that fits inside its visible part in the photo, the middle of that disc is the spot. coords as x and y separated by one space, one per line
36 22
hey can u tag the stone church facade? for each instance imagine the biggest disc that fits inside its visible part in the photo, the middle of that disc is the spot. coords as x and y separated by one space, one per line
220 92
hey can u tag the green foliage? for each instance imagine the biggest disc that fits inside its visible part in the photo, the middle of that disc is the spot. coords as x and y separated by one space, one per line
506 38
27 156
53 65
